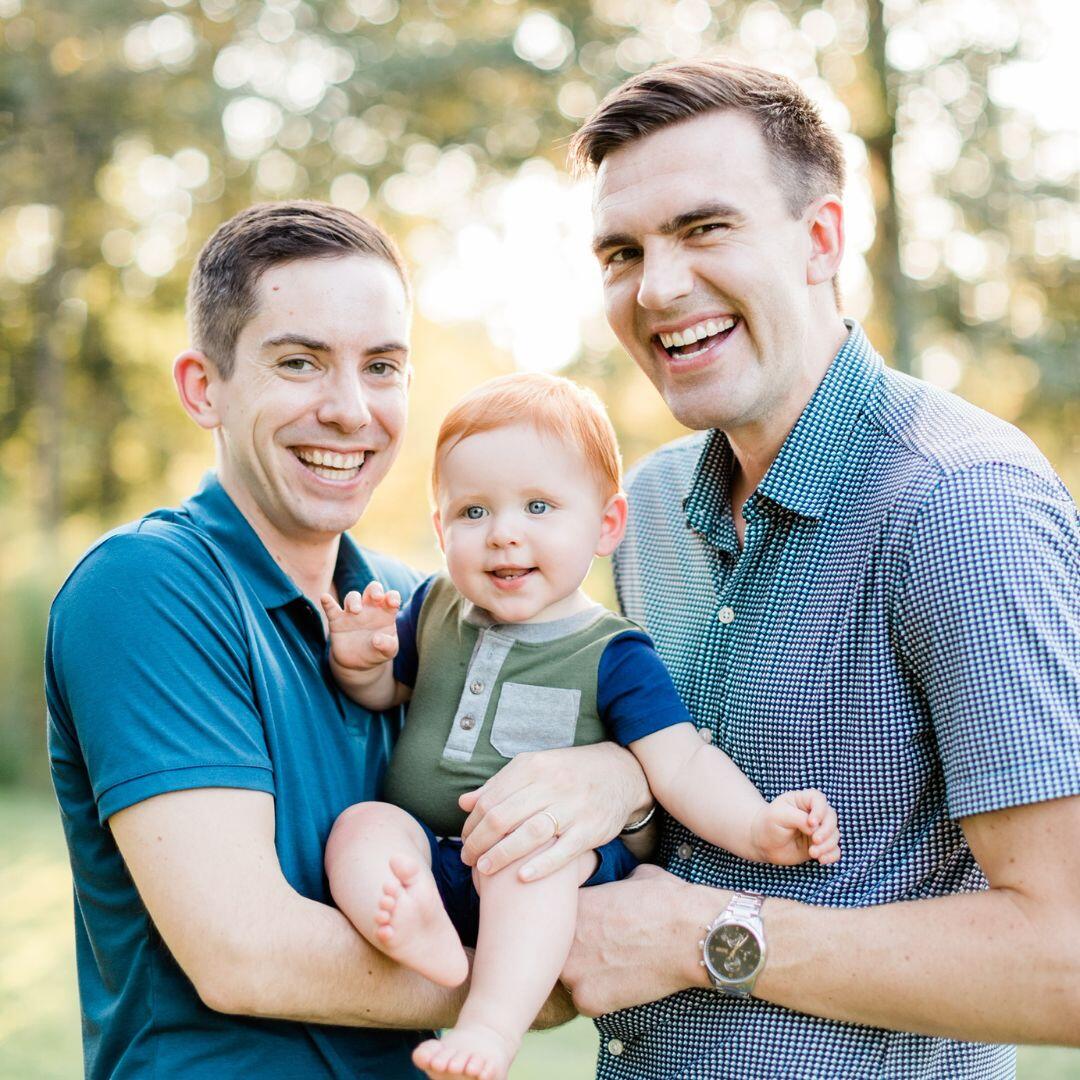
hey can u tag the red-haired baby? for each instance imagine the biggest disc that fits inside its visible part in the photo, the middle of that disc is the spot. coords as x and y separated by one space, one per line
501 654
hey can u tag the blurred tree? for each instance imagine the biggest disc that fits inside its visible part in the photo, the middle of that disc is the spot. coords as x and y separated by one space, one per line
129 130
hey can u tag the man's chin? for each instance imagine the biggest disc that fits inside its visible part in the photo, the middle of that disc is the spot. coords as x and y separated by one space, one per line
330 520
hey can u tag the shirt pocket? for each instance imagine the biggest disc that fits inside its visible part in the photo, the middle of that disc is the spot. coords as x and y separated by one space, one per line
534 718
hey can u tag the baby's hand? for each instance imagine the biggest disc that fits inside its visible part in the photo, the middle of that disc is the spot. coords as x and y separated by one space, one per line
797 826
363 632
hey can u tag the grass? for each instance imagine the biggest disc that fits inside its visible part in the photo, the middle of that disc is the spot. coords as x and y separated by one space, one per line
39 1010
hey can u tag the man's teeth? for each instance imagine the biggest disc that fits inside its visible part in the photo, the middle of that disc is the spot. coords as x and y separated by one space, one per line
696 333
330 465
331 460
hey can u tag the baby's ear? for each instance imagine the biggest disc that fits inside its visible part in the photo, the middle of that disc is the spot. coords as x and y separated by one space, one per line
612 524
436 520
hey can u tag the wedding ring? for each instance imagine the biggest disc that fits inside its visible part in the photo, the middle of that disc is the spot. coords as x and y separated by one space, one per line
554 821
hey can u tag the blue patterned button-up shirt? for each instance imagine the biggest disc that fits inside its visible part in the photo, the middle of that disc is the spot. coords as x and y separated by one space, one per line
901 629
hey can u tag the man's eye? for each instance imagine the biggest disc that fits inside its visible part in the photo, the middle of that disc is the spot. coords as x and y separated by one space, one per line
382 367
538 506
474 513
297 363
707 227
622 255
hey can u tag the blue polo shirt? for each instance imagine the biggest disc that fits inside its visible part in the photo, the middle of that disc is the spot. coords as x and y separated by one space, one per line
181 656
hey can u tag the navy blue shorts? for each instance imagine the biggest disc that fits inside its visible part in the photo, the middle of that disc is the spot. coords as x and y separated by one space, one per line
459 895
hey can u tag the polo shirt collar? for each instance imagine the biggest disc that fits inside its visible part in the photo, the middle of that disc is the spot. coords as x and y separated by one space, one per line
215 514
803 476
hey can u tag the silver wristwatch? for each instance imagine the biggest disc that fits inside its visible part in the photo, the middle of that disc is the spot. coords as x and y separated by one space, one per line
733 948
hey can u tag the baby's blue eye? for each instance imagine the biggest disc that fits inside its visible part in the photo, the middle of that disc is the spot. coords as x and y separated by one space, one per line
538 506
474 513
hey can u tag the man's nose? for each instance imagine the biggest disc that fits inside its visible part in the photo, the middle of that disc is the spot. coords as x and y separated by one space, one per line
345 404
665 278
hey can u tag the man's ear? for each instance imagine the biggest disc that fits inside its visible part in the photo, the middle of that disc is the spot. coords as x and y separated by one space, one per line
826 221
613 524
196 381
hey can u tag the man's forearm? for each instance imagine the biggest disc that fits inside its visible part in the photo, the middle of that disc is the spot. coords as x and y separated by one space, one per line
305 961
207 870
983 967
995 966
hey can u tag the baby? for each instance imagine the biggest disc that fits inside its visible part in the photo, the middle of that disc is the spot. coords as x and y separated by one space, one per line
505 653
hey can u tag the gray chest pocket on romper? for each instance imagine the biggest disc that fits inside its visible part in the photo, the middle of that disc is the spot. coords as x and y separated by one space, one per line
534 718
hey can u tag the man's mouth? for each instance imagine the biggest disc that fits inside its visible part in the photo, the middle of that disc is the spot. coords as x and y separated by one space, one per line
330 465
694 340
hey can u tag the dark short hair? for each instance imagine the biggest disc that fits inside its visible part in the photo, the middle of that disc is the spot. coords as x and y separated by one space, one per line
221 296
806 154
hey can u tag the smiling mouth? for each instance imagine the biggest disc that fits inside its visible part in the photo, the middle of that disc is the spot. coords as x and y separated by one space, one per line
694 340
511 573
329 465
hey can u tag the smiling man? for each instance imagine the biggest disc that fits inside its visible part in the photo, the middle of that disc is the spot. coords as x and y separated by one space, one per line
860 584
200 747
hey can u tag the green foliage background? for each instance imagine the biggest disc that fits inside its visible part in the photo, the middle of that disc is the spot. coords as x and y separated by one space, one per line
130 128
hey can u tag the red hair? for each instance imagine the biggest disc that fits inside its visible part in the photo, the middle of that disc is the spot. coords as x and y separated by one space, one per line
555 406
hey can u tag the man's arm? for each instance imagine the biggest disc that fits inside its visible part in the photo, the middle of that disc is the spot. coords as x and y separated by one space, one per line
206 868
996 966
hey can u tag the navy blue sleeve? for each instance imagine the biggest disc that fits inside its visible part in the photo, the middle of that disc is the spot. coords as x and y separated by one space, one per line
148 673
408 659
634 694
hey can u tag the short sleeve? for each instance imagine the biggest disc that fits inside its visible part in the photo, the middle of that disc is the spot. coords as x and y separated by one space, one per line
988 618
407 660
635 695
147 669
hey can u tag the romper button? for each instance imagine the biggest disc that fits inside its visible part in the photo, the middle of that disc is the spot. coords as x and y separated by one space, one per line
467 723
726 615
615 1047
476 687
684 851
706 734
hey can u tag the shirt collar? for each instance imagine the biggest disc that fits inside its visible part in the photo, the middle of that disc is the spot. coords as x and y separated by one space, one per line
802 477
215 514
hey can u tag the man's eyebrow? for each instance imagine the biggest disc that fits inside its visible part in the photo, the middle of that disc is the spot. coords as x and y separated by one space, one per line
296 339
671 226
305 342
612 240
389 346
700 213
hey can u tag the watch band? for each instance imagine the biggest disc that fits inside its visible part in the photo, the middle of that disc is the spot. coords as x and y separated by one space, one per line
743 909
637 826
742 905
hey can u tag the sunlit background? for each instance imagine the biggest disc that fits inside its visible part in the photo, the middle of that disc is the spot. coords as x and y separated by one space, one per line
129 130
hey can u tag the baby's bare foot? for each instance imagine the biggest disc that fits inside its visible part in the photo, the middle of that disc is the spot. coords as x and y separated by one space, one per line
412 926
467 1050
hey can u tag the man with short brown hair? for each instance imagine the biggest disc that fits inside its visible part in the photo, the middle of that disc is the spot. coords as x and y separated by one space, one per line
860 584
200 746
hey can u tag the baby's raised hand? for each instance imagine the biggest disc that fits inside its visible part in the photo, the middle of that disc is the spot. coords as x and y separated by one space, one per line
797 826
363 630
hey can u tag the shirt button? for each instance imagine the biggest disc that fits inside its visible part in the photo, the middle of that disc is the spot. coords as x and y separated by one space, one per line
726 615
684 851
467 723
476 687
615 1047
706 734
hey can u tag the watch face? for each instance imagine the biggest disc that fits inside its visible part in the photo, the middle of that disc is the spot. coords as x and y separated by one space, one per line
733 952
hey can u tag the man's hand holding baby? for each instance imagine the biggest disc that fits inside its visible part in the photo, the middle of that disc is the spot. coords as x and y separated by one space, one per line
363 642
